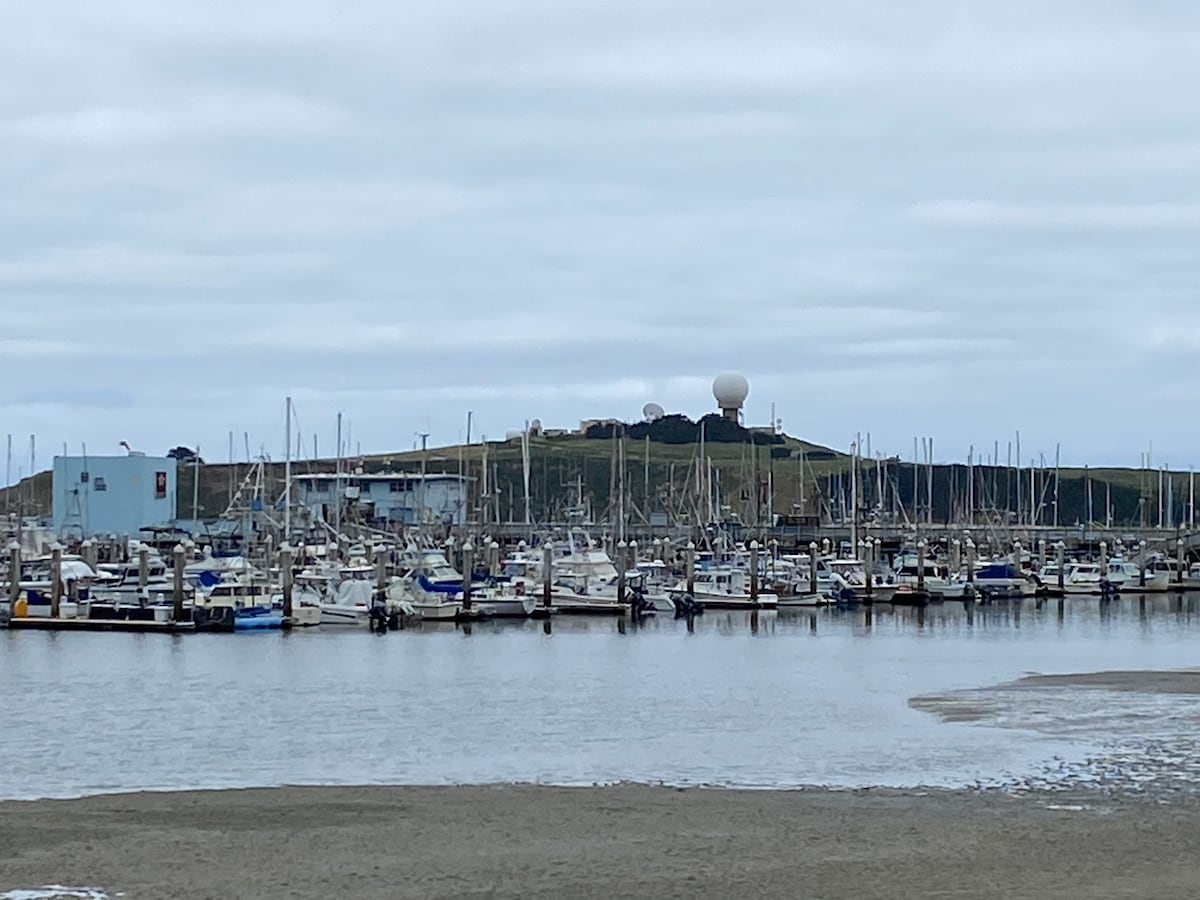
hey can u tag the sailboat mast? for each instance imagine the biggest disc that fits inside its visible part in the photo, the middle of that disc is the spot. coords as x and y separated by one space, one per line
287 474
337 482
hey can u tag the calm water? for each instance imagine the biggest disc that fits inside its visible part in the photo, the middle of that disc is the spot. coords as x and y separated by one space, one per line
797 700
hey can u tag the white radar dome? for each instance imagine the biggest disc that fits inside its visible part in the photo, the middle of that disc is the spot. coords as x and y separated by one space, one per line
652 412
731 390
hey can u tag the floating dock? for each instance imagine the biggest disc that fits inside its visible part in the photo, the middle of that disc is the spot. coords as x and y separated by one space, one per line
44 623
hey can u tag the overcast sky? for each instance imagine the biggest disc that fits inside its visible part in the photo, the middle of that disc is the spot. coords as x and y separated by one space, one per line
938 218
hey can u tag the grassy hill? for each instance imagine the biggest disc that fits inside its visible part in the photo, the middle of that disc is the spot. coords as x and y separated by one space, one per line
661 477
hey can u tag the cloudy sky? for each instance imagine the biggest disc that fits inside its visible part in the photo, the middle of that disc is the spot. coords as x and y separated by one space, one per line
937 218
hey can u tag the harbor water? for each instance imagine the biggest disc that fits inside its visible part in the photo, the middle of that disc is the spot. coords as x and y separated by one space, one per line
773 700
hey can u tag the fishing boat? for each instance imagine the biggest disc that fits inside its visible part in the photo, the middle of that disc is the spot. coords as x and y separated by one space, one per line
1000 579
1127 576
237 606
723 587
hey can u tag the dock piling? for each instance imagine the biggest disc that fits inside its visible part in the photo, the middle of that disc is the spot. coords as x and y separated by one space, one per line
812 567
468 556
1060 554
285 576
622 565
754 571
921 566
143 554
56 586
547 572
14 576
690 570
1179 561
180 555
869 567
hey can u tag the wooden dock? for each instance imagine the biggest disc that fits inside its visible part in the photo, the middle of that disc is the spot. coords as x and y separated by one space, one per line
44 623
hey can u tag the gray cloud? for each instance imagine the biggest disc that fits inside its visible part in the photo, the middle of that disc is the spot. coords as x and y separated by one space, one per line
936 218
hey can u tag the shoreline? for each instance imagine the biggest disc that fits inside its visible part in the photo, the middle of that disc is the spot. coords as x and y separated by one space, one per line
621 840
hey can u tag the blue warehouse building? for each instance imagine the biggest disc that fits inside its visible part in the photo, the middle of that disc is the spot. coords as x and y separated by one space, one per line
112 495
399 498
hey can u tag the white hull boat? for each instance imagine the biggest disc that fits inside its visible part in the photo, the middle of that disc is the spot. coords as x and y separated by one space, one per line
802 601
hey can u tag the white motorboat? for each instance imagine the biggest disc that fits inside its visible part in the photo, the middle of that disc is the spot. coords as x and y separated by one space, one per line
724 588
1127 576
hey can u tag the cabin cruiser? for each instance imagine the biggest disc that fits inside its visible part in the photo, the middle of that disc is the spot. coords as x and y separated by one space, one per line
238 606
1127 576
1077 577
1000 578
913 573
723 587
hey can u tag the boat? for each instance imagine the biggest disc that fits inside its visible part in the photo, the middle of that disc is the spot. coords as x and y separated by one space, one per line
1126 576
723 587
928 576
237 606
1077 578
999 580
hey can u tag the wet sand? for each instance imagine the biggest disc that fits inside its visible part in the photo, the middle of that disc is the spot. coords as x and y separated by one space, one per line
980 704
623 841
1181 681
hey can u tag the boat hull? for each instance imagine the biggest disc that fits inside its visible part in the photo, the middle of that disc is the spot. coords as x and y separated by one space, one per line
257 619
438 612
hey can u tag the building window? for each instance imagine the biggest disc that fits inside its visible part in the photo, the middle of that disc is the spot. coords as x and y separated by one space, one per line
397 487
99 484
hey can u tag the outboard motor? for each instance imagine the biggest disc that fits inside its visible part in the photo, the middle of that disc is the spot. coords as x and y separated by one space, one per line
687 606
378 618
638 605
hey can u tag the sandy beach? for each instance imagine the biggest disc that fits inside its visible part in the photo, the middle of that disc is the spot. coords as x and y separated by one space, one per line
623 841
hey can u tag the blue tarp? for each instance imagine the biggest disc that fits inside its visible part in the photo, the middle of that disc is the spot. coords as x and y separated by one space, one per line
445 588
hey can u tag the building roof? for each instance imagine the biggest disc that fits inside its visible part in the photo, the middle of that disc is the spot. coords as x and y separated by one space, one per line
383 476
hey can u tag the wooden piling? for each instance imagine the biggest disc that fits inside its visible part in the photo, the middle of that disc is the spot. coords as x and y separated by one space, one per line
690 569
468 555
869 567
921 566
143 554
547 573
180 562
1179 561
622 563
812 567
1060 554
970 562
754 571
285 577
14 576
56 591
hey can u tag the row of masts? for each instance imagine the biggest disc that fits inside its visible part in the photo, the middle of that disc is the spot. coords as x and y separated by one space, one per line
699 491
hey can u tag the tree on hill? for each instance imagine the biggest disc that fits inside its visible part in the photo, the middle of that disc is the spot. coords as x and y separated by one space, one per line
678 429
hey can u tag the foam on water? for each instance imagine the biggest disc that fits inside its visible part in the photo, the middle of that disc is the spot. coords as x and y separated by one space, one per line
57 892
